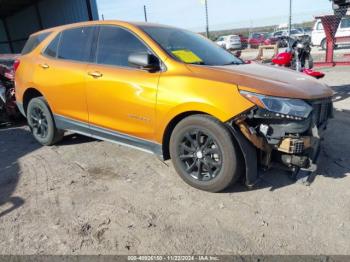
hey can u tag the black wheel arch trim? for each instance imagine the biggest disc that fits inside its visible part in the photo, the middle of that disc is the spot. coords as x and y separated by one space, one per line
20 108
249 153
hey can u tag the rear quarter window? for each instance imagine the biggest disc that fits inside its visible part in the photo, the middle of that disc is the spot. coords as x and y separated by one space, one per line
33 42
51 49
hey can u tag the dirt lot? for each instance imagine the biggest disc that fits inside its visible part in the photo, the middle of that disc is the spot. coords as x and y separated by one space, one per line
90 197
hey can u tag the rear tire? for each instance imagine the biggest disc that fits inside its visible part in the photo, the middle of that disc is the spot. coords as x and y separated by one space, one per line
41 122
204 153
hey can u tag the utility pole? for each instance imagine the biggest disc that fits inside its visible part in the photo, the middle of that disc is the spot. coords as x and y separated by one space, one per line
207 18
145 12
290 18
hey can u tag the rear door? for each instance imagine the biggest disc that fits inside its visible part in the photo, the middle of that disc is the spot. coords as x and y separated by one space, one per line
61 72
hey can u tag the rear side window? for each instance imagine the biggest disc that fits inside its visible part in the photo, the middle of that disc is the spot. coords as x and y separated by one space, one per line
76 44
51 49
115 45
33 42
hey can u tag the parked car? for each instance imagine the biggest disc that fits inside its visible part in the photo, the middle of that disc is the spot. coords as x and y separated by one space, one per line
279 37
244 41
8 108
271 39
256 39
318 36
173 93
305 30
230 42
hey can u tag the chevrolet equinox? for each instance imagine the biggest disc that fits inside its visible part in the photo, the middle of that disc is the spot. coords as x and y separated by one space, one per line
173 93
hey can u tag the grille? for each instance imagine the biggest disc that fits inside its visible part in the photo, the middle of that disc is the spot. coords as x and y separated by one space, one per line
322 110
297 147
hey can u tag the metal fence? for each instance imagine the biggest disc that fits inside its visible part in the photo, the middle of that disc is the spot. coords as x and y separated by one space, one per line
329 36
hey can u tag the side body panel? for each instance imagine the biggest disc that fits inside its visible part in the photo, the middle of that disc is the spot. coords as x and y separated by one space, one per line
63 85
180 91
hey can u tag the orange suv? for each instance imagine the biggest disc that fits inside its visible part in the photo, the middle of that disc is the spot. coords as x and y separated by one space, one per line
173 93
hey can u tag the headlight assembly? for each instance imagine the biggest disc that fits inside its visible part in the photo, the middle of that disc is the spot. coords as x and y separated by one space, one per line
282 107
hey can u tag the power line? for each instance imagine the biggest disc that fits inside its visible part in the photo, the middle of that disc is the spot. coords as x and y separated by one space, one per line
290 17
207 18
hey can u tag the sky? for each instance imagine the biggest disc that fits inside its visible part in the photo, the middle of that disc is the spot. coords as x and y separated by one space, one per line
223 14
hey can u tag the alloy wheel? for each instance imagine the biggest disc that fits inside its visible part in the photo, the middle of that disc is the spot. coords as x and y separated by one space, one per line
200 155
39 122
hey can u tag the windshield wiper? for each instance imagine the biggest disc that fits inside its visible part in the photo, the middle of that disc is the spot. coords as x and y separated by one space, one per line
233 63
198 63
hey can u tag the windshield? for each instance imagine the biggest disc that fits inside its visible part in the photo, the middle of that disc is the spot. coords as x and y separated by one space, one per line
189 47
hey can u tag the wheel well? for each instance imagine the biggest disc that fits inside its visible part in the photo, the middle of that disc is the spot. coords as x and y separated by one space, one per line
169 130
29 94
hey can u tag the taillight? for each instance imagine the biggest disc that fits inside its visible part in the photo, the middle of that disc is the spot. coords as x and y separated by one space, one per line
16 65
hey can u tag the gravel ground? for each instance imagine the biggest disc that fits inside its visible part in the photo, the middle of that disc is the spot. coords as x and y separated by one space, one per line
90 197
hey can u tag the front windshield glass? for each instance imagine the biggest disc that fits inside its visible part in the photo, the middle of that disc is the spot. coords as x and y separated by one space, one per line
189 47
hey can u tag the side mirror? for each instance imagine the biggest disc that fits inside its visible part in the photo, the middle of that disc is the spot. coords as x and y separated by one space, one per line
146 61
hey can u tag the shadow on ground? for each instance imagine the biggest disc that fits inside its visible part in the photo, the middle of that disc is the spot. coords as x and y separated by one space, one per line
73 139
14 144
341 93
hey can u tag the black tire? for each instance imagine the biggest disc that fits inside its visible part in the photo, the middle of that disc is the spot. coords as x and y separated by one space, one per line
41 122
310 62
324 44
201 145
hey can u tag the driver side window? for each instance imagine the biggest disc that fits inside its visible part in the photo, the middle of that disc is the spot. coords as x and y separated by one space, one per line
115 44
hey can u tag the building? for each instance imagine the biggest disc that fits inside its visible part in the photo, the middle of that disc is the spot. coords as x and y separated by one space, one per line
20 18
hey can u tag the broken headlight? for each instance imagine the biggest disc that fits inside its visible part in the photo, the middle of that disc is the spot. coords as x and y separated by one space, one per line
281 107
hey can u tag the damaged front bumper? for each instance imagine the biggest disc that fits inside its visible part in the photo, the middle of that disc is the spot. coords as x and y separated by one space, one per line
282 141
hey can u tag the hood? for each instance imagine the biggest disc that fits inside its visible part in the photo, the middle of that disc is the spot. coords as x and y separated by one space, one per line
268 80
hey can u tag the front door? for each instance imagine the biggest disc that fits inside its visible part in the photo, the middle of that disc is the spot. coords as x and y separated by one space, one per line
120 97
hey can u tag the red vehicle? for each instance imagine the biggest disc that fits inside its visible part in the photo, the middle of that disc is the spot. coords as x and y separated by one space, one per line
7 86
256 39
271 40
244 41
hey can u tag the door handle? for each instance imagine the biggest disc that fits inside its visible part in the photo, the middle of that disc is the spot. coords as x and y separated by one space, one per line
95 74
45 66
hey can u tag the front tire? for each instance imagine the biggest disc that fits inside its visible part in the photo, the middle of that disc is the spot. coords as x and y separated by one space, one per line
41 122
204 154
